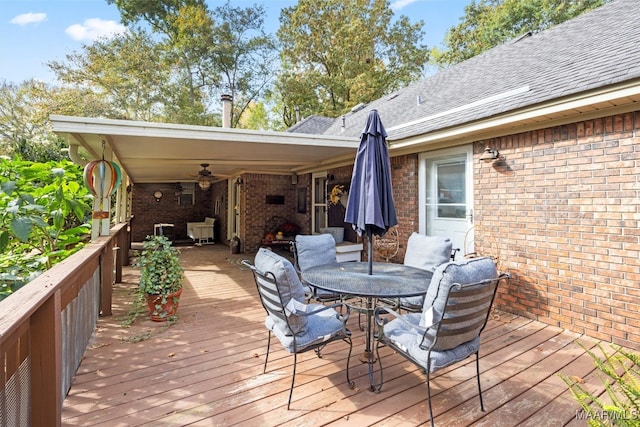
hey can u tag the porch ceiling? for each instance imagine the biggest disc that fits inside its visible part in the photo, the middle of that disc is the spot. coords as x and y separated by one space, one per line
160 152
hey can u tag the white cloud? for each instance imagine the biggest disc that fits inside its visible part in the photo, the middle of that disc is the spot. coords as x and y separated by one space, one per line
399 4
94 28
29 18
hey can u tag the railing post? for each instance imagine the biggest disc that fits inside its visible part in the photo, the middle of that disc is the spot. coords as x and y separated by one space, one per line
118 261
125 244
106 279
46 350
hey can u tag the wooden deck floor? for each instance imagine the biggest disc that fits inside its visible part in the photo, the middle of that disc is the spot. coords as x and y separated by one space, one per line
206 369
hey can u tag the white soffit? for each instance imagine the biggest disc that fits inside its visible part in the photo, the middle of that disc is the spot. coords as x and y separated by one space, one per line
161 152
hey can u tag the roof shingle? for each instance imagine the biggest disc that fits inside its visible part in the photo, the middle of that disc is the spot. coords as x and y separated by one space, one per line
596 49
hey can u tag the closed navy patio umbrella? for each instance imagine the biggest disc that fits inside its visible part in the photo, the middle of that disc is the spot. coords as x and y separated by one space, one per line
370 208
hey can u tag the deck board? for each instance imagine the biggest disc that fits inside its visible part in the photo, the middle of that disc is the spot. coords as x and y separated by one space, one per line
206 369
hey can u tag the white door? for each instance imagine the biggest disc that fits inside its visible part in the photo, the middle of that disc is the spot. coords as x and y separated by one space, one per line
446 195
233 210
319 202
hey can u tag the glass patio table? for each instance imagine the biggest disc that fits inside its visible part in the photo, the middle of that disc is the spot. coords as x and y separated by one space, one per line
388 281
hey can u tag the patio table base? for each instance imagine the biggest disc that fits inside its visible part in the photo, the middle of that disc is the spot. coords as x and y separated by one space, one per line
367 357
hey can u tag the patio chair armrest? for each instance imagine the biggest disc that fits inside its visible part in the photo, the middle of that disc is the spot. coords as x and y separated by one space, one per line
382 321
383 310
320 310
378 311
343 313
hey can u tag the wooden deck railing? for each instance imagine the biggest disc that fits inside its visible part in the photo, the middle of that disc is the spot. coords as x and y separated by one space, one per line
46 326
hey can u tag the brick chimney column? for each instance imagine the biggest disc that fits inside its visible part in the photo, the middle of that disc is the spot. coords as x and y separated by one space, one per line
226 110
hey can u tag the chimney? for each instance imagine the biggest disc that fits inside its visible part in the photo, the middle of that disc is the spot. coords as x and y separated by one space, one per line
226 110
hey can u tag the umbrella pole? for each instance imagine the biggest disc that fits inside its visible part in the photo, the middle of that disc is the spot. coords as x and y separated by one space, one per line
370 250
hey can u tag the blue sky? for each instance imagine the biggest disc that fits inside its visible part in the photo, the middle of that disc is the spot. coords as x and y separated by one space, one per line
34 32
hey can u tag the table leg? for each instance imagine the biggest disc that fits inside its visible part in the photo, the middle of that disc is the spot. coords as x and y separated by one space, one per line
368 356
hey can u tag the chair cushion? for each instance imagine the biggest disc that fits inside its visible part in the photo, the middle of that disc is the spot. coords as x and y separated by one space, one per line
414 303
403 336
427 252
464 272
289 286
320 327
209 221
315 250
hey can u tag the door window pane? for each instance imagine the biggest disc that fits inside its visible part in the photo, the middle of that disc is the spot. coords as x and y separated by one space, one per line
319 203
451 190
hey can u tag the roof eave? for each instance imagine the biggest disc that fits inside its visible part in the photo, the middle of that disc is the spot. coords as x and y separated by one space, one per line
615 99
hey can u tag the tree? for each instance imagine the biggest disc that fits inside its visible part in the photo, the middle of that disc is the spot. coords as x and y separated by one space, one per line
24 126
255 117
132 73
489 23
245 56
222 51
25 130
337 54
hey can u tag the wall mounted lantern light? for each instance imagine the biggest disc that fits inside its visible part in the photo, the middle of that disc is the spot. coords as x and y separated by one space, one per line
489 155
157 195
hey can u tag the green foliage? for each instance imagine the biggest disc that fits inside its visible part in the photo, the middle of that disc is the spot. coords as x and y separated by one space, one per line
160 269
337 54
255 117
209 53
25 130
244 55
24 126
160 275
156 13
44 209
131 72
620 374
488 23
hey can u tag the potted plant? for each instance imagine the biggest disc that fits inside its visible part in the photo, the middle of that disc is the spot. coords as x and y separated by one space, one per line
161 277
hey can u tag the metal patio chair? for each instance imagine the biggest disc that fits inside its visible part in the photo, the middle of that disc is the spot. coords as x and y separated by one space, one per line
447 331
426 253
299 327
311 250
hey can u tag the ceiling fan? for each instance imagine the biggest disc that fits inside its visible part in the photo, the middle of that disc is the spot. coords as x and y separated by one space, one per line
204 177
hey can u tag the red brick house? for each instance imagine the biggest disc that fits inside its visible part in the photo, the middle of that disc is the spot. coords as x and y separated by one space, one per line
559 206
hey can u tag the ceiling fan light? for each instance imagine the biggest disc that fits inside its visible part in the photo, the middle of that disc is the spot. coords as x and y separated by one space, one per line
203 182
204 177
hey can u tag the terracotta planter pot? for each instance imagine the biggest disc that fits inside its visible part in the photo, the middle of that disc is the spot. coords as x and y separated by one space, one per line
168 309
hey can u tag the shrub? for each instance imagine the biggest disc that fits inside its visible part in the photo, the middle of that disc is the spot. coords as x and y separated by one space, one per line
620 374
44 214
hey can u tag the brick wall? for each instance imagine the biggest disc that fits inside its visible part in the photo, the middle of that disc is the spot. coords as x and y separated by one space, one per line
256 213
147 212
404 177
561 211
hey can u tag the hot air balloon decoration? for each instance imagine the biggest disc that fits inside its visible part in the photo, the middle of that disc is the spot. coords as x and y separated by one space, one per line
102 178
